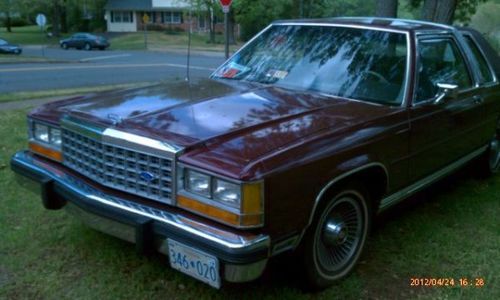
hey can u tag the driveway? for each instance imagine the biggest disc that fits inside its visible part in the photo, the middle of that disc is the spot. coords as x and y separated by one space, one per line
76 68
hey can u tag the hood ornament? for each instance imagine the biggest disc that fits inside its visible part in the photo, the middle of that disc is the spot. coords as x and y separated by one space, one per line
115 119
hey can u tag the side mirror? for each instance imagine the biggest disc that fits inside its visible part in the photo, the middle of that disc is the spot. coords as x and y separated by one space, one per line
446 91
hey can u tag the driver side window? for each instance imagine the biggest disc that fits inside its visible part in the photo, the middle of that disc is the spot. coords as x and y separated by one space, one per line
440 62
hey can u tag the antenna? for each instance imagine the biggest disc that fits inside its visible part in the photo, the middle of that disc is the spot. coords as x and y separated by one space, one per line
188 76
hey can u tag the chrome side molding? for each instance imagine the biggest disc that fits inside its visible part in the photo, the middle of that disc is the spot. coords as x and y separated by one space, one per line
419 185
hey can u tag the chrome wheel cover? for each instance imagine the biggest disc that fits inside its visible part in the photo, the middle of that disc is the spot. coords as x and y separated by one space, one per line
340 235
494 160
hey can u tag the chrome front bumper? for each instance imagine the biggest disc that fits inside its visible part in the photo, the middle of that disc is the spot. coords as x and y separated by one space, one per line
242 255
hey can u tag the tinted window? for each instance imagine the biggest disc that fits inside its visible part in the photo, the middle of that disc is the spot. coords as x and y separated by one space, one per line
440 62
484 70
354 63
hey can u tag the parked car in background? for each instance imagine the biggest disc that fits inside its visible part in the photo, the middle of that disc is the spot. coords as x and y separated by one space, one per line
85 41
6 47
294 144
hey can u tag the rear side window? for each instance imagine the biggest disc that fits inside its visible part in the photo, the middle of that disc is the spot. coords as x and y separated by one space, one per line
440 62
484 69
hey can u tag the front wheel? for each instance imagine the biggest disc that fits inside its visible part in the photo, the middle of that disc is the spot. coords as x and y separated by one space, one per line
337 237
87 47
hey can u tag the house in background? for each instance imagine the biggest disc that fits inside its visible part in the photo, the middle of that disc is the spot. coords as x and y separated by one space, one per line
127 15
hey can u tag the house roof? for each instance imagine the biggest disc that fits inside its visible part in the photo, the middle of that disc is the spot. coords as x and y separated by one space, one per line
146 4
129 5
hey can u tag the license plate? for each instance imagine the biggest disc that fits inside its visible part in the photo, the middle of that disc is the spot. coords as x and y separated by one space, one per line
194 263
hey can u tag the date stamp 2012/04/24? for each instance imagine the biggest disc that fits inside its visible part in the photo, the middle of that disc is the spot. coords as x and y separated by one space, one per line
477 282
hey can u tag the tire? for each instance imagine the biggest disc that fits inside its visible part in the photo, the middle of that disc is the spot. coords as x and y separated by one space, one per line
102 48
490 161
337 236
87 47
64 46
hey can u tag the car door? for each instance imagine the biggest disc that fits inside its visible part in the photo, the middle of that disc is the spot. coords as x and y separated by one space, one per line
442 133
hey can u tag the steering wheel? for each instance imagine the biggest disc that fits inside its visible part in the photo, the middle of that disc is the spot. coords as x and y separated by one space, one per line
379 76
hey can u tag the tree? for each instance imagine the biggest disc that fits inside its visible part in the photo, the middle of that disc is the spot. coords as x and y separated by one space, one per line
8 7
387 8
440 11
446 11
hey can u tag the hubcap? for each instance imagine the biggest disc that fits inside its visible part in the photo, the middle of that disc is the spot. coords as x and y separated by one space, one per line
495 155
341 234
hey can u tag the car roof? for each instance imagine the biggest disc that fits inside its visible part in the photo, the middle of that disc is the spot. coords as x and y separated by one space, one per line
387 23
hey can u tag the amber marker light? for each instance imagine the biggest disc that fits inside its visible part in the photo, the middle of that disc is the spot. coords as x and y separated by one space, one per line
209 211
252 210
45 151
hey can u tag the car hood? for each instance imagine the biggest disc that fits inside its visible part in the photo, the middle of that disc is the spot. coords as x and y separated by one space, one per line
238 121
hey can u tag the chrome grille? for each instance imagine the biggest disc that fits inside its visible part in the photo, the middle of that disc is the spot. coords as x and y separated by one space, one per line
134 172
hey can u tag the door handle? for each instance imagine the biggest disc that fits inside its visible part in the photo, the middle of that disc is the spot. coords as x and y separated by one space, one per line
478 99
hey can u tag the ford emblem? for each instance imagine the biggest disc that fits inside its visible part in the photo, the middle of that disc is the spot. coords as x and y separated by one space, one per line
146 176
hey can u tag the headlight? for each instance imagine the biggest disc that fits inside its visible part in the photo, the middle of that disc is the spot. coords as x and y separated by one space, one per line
45 140
55 137
226 192
197 183
41 132
240 204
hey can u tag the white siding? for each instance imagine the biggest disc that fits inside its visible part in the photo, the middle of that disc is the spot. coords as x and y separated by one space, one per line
170 4
121 27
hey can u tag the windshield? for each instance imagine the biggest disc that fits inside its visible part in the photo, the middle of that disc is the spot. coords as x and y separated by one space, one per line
3 42
362 64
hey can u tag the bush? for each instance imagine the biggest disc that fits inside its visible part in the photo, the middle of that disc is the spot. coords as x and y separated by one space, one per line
15 22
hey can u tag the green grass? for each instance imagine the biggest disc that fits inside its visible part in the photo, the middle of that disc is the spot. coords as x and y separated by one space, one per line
15 59
27 35
452 232
160 40
20 96
31 35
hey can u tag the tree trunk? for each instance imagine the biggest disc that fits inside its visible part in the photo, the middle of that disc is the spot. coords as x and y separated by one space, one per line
232 40
445 11
56 19
8 21
387 8
441 11
211 26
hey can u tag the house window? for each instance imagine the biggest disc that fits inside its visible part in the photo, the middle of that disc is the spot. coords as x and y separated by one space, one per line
122 17
171 17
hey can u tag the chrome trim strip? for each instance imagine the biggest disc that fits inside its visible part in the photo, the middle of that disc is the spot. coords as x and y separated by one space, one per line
223 238
82 128
408 191
141 143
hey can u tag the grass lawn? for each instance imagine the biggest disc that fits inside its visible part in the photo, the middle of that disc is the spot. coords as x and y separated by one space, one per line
452 232
27 35
31 35
160 40
19 96
14 59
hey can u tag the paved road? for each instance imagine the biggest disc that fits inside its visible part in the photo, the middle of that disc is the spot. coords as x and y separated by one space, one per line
91 68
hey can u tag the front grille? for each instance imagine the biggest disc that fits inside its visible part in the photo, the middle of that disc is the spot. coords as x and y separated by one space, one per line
123 169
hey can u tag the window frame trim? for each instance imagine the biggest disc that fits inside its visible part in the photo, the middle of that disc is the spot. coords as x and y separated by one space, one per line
421 36
481 52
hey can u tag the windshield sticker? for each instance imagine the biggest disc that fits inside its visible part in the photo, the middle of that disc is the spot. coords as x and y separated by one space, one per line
278 74
233 70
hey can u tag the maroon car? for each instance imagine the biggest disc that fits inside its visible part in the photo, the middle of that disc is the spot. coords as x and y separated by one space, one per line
294 144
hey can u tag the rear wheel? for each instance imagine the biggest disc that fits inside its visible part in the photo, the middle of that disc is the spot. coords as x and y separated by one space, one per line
64 46
490 161
337 236
87 47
